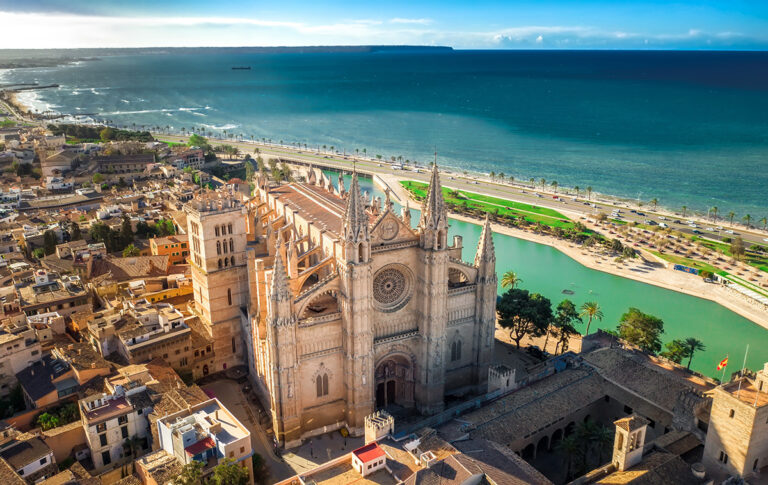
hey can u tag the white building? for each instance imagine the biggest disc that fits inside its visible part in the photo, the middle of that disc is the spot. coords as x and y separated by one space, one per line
206 432
18 351
111 421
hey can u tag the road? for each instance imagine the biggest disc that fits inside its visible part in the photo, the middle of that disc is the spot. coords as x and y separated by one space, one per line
567 203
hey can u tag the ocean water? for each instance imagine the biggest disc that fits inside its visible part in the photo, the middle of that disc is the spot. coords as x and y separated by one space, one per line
688 128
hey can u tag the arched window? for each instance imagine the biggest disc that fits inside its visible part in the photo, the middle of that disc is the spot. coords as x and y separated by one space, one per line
234 347
230 228
216 229
231 245
229 301
226 262
321 384
225 246
232 260
455 350
219 264
218 247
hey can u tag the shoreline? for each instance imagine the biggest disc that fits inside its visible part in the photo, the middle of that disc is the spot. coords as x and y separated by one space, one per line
613 200
661 276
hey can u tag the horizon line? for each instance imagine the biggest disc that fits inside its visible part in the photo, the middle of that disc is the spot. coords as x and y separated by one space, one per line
316 46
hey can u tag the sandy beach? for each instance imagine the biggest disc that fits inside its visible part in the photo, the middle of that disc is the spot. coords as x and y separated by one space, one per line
646 269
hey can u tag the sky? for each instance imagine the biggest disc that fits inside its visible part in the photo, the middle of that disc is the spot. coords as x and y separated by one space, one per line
477 24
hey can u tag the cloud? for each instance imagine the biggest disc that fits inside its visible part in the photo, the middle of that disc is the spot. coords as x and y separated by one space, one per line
398 20
540 39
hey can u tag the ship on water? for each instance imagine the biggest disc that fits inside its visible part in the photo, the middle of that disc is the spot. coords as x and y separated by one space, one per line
241 68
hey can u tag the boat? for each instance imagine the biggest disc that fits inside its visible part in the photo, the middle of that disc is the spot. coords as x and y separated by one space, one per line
567 292
241 68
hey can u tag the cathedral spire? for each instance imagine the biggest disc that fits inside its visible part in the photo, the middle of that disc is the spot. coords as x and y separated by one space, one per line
486 253
433 215
281 289
355 217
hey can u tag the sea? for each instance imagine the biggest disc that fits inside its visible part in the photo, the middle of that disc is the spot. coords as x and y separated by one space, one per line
685 128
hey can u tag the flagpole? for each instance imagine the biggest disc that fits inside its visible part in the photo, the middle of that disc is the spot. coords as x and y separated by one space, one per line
726 365
741 374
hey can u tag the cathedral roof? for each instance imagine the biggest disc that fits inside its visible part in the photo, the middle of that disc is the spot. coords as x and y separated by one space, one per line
355 218
485 250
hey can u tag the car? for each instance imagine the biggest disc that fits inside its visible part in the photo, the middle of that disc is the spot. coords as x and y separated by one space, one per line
707 280
662 224
693 225
729 231
696 231
641 214
709 228
633 211
662 218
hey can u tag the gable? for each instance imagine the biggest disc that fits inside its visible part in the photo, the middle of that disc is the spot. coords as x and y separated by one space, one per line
389 229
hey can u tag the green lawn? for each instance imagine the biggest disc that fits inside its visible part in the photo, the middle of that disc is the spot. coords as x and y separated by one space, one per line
677 259
486 203
752 258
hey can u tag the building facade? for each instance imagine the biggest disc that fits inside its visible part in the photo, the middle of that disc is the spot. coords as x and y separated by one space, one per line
351 309
217 240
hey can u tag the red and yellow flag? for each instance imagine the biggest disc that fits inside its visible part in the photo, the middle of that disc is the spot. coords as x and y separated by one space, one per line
722 364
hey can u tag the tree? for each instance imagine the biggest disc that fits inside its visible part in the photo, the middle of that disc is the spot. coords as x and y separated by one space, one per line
249 170
229 472
737 248
641 329
589 193
196 140
566 316
131 251
676 351
748 219
261 471
74 232
572 450
48 421
693 345
714 211
191 474
126 231
685 208
97 178
523 313
107 134
764 222
617 246
731 215
655 202
591 309
510 279
50 240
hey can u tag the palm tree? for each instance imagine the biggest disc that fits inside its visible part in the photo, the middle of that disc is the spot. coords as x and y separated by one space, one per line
554 185
577 188
731 215
714 212
571 448
543 182
655 202
764 222
533 182
591 309
693 344
748 219
510 279
493 175
501 176
602 437
589 193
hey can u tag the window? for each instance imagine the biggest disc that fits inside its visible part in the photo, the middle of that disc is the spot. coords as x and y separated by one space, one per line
322 385
101 427
44 460
231 454
219 264
232 260
218 247
122 420
225 246
226 262
35 352
231 245
723 458
183 362
216 230
754 467
732 413
106 458
620 444
234 347
230 228
242 449
456 350
103 439
229 296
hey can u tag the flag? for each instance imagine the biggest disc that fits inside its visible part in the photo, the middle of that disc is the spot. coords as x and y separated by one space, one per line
722 364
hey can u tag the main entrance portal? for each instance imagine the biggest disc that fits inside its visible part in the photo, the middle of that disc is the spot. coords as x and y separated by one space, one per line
395 382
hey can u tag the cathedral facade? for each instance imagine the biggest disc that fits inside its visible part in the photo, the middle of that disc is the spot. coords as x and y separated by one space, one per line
349 309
